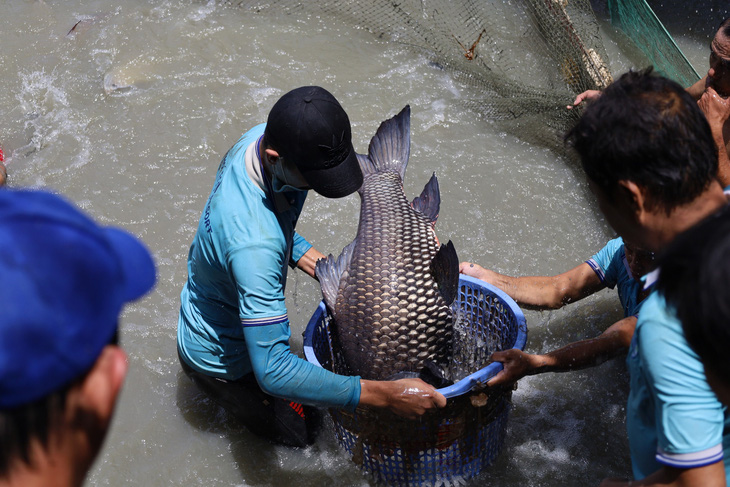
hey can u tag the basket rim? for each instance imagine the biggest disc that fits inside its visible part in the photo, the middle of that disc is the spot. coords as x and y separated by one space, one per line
467 383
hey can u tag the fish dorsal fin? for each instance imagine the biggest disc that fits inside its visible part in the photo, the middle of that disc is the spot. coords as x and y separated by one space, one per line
330 272
390 147
445 271
430 200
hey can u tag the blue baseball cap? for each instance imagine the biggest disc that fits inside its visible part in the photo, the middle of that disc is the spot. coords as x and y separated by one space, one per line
63 282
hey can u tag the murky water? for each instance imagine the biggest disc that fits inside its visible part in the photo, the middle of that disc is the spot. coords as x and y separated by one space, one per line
197 75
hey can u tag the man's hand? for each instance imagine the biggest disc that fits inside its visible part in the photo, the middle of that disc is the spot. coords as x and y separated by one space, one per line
479 272
409 398
308 261
715 108
516 363
588 95
717 112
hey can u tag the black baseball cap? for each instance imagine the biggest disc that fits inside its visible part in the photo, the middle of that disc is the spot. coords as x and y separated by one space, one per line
309 127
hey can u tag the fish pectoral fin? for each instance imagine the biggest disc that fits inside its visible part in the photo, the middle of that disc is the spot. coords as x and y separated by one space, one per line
432 373
329 272
445 271
430 200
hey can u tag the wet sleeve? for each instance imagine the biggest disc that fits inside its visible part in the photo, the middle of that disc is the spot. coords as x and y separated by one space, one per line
299 248
689 418
282 374
606 263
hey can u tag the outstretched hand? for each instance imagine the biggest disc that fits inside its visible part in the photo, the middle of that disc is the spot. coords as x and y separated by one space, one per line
478 272
588 95
516 363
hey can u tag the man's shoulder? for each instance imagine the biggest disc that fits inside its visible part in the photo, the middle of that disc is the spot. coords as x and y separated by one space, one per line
661 339
614 245
609 252
607 262
251 135
655 312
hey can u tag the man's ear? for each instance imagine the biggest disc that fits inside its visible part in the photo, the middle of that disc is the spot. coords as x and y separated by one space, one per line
99 389
633 197
271 156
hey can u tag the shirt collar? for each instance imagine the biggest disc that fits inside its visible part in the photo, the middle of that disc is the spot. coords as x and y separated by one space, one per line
255 171
650 278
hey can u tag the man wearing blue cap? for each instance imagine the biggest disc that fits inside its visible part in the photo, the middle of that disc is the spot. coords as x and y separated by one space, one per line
63 282
233 330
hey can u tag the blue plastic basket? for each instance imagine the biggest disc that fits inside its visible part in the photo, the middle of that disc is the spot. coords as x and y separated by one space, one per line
456 442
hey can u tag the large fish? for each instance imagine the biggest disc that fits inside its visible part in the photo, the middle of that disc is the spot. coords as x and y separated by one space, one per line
390 290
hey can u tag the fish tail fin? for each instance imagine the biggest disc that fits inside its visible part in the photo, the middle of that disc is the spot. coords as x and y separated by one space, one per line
445 270
390 147
435 374
430 200
329 272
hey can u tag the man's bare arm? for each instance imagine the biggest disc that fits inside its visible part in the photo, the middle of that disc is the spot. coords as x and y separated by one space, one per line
308 261
585 353
541 292
696 90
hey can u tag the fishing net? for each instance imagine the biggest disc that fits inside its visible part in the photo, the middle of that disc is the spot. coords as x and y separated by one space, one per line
520 61
638 21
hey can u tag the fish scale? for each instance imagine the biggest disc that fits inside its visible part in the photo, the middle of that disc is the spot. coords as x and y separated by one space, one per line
389 313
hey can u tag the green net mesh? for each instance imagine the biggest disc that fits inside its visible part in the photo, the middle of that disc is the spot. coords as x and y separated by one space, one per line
638 21
521 61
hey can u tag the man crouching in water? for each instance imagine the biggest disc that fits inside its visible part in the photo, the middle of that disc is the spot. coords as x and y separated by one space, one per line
233 329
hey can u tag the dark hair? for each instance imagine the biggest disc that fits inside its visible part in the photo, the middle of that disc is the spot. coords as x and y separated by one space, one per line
725 29
694 276
648 130
19 426
725 26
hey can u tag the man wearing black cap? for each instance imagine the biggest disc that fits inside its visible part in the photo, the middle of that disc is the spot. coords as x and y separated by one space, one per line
233 330
63 282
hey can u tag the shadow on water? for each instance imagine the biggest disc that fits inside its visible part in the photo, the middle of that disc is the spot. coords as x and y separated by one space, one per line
259 461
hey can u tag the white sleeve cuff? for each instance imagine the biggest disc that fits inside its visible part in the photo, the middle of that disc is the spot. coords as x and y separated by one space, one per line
691 460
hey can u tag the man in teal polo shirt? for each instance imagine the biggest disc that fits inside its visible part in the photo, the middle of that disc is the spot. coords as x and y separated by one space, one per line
695 270
651 161
233 330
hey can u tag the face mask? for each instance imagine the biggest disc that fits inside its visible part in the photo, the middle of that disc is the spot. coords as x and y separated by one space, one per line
287 177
